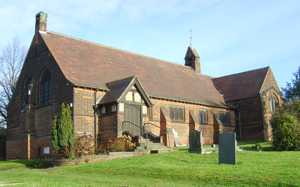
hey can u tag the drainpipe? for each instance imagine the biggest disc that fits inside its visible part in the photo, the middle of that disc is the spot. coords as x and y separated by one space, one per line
95 119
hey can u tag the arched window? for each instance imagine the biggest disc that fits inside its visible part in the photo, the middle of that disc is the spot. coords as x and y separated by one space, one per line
273 104
27 92
44 88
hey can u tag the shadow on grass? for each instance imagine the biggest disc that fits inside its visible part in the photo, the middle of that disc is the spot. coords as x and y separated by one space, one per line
256 146
36 164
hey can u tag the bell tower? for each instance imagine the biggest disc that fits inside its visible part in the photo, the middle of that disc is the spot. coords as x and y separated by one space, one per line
192 59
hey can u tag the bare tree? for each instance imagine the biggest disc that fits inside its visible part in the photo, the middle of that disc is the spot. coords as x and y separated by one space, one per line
11 61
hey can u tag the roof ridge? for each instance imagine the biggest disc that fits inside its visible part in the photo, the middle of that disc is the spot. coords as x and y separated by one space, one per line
117 49
249 71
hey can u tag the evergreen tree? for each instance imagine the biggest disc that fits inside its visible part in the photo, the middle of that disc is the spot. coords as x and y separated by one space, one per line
54 135
63 134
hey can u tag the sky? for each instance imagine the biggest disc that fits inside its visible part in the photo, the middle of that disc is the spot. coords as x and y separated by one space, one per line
231 36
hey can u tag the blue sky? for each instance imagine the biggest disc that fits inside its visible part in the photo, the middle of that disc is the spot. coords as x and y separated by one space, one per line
230 36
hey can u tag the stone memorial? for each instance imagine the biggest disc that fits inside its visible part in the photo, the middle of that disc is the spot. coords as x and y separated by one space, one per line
227 148
196 141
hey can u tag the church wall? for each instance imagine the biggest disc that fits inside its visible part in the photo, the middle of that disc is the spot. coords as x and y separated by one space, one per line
249 116
35 119
210 130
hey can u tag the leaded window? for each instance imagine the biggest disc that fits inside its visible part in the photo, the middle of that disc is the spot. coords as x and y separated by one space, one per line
203 117
44 88
177 114
272 104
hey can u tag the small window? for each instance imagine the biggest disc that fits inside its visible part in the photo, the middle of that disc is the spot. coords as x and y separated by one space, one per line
203 117
113 108
44 88
129 96
177 114
272 104
103 110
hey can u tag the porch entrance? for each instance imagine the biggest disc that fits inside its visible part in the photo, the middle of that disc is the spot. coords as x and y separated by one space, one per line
132 120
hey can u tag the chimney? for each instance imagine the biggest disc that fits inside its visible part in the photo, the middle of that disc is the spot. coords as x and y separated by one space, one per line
41 22
192 59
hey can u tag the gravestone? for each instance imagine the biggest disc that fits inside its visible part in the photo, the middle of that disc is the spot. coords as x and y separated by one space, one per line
196 141
176 137
227 148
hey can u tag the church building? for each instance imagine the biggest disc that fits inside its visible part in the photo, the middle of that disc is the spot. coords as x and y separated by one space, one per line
112 91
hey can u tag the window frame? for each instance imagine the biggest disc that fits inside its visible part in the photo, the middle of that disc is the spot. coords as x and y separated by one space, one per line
272 104
173 114
45 88
205 112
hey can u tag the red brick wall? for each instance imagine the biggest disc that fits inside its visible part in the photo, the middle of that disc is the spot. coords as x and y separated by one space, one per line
38 120
209 130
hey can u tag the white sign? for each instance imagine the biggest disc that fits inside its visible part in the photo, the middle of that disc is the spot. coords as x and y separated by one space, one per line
46 150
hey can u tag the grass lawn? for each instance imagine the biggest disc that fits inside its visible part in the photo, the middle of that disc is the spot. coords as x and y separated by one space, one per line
178 168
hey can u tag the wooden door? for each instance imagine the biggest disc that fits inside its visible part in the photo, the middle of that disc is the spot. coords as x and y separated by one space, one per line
133 119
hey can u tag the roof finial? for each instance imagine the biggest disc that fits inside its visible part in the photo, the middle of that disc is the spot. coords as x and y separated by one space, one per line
191 38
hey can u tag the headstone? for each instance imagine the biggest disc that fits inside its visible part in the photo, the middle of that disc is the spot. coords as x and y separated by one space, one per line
176 137
227 148
196 141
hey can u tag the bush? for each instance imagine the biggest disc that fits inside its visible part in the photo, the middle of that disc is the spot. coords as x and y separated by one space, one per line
123 143
84 145
286 131
37 164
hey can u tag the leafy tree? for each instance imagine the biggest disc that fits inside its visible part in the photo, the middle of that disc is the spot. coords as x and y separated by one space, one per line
62 134
286 127
292 90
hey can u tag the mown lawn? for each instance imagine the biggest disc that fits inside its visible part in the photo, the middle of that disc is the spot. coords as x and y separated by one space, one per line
178 168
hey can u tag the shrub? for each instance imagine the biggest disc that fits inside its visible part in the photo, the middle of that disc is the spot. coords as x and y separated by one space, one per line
286 131
123 143
37 164
84 145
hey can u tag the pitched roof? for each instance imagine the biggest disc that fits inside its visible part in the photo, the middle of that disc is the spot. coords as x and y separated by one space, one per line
118 88
92 65
241 85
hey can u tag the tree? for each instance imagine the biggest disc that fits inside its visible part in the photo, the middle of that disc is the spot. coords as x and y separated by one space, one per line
62 134
286 127
54 135
11 61
292 90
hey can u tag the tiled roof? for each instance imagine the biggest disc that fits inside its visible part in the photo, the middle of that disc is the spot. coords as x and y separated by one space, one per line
92 65
241 85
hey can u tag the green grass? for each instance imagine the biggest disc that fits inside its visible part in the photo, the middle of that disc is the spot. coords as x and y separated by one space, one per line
178 168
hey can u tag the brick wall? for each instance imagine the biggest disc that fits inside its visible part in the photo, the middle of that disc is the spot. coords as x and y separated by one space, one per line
38 119
254 114
84 116
210 130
